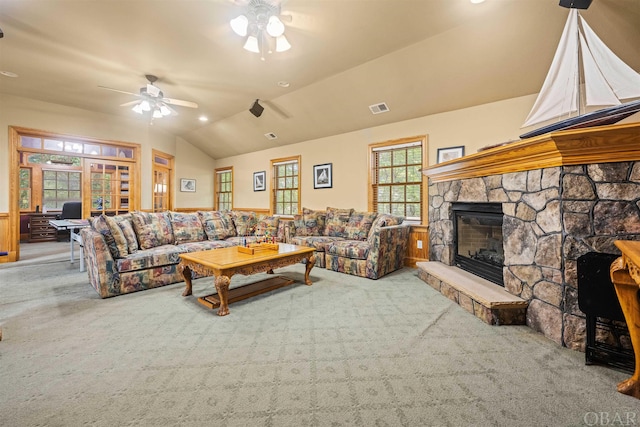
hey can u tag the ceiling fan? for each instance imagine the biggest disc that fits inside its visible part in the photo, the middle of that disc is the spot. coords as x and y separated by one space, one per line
151 99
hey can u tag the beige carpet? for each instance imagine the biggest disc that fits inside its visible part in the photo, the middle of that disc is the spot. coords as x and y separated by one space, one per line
343 352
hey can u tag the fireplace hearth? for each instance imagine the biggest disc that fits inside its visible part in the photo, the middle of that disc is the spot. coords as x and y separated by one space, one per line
478 243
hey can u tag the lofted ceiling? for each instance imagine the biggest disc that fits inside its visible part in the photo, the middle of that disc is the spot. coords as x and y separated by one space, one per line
421 57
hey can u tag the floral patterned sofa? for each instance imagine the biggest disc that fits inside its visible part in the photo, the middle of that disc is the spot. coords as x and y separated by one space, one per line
364 244
140 250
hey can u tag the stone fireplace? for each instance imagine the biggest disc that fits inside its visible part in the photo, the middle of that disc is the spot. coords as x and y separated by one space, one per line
562 195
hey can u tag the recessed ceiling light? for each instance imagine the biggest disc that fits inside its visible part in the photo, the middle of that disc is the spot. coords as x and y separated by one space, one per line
477 1
8 74
283 83
203 118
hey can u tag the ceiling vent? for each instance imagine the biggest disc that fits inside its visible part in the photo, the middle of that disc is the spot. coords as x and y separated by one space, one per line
379 108
271 135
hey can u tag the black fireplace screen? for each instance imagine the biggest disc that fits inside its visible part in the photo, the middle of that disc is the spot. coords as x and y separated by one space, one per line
478 239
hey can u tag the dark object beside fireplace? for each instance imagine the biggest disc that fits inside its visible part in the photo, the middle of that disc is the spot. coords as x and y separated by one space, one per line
597 299
478 243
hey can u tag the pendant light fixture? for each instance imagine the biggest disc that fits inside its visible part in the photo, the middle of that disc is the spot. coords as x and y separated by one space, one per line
263 28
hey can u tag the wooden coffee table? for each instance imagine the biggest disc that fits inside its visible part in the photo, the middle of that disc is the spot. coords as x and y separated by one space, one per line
223 263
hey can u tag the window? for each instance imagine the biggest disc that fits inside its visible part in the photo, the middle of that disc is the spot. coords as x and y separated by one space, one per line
58 187
397 186
25 189
285 188
162 177
224 189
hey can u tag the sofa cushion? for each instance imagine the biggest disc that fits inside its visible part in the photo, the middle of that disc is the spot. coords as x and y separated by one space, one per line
317 242
157 256
129 234
359 225
99 224
267 225
218 225
337 220
241 240
354 249
152 229
310 223
122 249
186 227
245 222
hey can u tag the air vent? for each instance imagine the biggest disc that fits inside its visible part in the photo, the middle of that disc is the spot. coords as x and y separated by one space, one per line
271 135
379 108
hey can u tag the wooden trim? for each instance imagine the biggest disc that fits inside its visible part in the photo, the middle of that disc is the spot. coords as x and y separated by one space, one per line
272 188
604 144
216 184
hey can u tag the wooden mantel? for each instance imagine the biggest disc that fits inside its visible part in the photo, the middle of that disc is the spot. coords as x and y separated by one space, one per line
603 144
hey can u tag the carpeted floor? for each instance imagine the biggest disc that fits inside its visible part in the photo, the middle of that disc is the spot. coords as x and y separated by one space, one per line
343 352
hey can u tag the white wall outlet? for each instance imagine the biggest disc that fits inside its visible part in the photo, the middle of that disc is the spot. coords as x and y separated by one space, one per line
419 244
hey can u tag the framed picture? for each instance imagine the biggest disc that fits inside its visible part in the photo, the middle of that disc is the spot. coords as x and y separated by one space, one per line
322 176
259 181
450 153
188 185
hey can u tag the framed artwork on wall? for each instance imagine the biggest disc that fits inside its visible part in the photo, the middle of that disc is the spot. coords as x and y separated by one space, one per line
322 176
259 181
188 185
450 153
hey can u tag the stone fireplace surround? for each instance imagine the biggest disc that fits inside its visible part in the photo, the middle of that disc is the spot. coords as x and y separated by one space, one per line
563 195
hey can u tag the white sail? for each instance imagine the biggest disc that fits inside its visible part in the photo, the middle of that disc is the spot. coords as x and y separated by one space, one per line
607 79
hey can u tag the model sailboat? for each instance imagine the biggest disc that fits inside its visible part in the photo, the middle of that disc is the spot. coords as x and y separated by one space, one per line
584 71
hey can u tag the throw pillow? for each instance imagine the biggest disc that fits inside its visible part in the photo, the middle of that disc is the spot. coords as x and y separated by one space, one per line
129 234
186 227
359 225
245 223
118 237
310 223
217 225
152 229
99 224
337 220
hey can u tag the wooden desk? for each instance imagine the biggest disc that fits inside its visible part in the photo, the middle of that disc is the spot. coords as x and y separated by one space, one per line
625 275
225 262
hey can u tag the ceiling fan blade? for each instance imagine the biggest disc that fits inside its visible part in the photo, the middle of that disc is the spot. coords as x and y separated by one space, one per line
126 104
173 112
121 91
180 102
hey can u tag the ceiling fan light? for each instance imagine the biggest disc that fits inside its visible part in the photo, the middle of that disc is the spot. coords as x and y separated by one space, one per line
164 110
275 27
145 105
252 44
282 44
239 25
137 108
157 114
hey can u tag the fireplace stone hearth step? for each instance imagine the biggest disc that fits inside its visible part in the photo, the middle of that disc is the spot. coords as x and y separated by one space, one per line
482 298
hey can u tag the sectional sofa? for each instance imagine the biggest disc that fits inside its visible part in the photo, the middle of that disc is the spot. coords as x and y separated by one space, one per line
140 250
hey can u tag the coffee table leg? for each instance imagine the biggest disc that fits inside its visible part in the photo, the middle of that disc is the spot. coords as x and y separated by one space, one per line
186 273
311 261
222 286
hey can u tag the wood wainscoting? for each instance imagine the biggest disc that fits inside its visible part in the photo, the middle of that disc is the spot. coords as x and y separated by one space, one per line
7 253
418 247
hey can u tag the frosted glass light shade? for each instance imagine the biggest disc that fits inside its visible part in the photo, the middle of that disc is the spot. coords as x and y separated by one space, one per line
157 114
282 44
239 25
137 108
252 44
145 105
164 110
275 27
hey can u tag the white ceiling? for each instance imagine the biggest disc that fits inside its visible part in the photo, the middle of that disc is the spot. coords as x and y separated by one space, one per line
419 56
